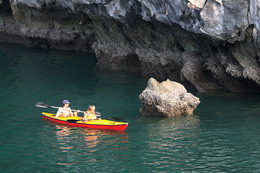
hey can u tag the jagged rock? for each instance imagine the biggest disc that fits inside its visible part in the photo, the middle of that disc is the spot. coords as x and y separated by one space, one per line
167 99
213 44
196 3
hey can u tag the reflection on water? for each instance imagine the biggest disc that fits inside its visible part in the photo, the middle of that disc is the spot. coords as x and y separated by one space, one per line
178 132
185 143
91 137
172 141
62 132
81 145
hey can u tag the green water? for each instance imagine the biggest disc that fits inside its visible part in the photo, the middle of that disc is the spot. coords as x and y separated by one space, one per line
223 136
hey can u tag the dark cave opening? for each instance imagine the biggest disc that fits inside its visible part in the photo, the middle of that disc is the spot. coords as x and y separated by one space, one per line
132 62
258 60
180 48
5 8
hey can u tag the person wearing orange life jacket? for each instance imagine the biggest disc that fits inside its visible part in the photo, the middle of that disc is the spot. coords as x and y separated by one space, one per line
65 110
90 114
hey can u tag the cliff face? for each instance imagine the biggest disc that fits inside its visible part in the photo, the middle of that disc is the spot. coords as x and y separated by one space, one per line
213 44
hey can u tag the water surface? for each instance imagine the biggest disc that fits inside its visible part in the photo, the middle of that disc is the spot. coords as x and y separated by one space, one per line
223 136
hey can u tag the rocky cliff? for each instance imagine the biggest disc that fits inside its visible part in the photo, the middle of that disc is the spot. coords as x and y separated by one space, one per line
213 44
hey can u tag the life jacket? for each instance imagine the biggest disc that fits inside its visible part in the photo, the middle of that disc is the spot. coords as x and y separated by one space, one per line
91 115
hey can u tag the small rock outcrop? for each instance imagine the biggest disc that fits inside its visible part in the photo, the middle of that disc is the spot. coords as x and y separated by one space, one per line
167 99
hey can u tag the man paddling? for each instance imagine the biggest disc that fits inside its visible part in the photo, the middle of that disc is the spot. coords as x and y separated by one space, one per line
65 110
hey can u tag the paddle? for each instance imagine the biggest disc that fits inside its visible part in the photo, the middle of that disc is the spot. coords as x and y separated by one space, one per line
98 114
43 105
113 119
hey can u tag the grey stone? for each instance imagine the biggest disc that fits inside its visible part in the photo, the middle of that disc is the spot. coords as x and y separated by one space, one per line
167 99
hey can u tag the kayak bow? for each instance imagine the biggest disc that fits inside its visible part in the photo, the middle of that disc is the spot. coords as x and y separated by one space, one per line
94 124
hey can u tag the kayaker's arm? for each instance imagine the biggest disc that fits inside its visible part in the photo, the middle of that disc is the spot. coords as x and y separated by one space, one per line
71 113
76 113
58 113
85 115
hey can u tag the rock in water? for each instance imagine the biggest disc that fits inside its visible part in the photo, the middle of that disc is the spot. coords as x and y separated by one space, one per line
167 99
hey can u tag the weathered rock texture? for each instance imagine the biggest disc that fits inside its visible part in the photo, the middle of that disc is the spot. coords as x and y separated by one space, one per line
213 44
167 99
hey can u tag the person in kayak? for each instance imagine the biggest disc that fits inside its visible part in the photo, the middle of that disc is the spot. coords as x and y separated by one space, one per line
65 110
90 114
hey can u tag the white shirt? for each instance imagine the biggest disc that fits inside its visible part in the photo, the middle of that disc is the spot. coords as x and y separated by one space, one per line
63 111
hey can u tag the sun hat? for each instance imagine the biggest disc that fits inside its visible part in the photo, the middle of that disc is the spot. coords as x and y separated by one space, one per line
65 102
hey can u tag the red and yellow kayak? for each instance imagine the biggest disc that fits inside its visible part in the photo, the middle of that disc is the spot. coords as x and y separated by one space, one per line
94 124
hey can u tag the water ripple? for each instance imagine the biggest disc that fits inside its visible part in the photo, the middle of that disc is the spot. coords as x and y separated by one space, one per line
223 137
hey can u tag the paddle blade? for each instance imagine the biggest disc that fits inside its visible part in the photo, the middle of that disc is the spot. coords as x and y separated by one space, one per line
114 119
117 118
42 105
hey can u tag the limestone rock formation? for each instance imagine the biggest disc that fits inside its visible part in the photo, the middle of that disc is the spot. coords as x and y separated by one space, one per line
167 99
213 44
